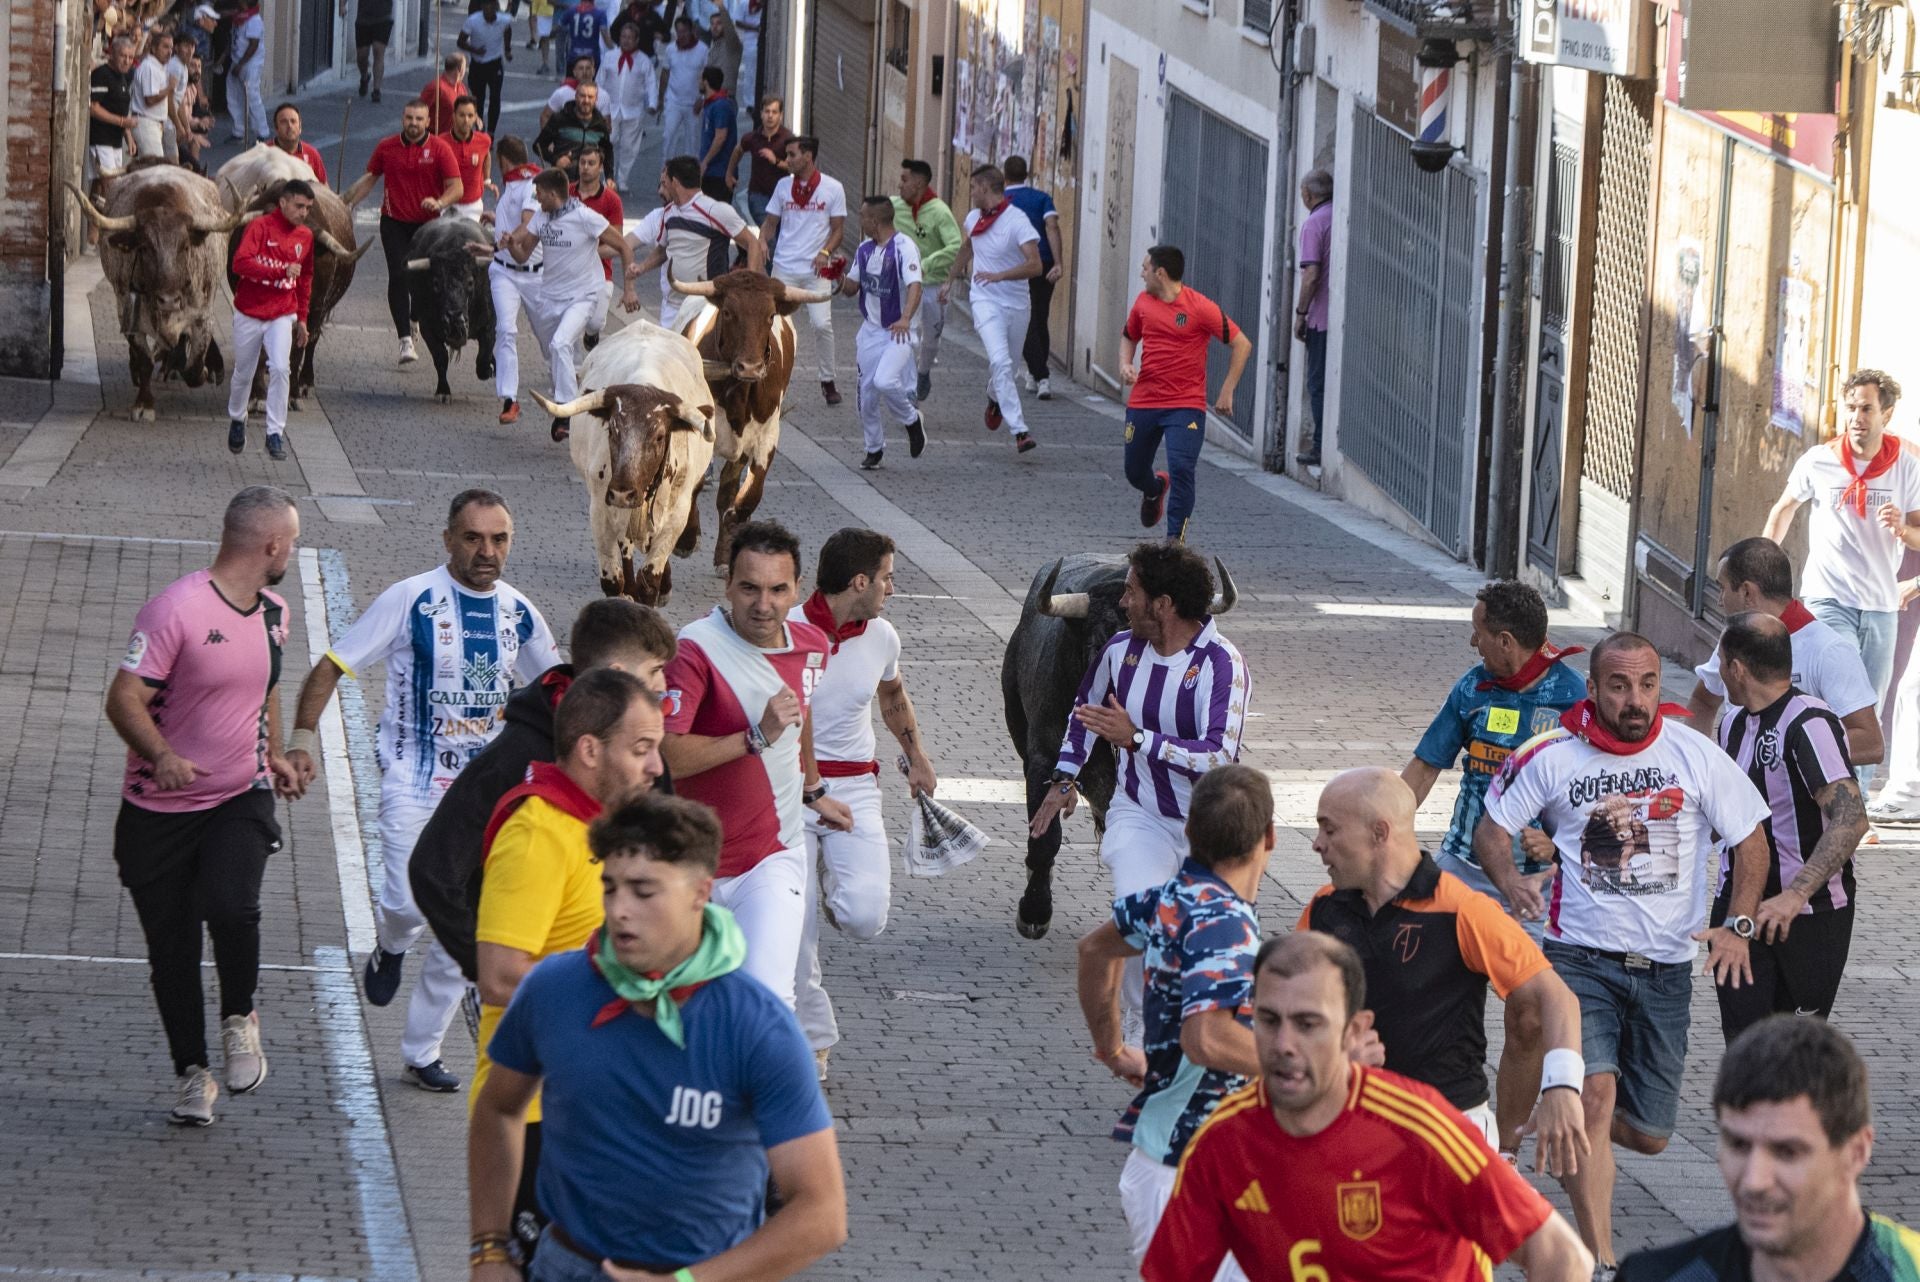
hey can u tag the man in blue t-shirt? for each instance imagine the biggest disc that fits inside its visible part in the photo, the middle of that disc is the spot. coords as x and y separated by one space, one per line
1199 936
1517 690
672 1085
1038 207
584 29
717 130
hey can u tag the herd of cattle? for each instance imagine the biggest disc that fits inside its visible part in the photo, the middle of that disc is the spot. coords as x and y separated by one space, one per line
667 401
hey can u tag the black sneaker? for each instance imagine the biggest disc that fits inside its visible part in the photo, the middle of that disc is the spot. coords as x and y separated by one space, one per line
924 388
1025 442
236 434
916 438
1154 506
1307 460
829 392
381 977
376 95
872 460
277 446
366 79
590 341
432 1077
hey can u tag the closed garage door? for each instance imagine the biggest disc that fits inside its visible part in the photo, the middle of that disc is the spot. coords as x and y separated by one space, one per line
841 114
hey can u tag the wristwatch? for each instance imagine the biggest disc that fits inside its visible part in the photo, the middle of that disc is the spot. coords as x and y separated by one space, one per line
1742 926
1139 740
756 742
1065 782
810 795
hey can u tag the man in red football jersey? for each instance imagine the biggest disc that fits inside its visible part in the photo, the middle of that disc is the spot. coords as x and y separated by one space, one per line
1367 1174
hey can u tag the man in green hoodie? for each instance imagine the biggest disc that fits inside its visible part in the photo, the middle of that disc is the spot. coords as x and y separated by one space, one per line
929 224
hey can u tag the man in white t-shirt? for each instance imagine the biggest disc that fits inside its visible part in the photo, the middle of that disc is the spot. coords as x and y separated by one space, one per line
629 94
999 254
693 235
682 63
455 641
805 222
885 273
748 17
1755 574
1864 486
1633 804
848 871
515 284
487 37
569 236
153 100
245 66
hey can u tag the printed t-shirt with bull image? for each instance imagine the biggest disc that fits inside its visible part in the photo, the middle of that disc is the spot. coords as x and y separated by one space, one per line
1634 831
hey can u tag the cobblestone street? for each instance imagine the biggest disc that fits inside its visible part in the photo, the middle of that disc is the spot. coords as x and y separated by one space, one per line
972 1122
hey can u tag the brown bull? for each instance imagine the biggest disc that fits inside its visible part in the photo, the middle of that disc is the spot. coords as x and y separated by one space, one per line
746 348
163 244
334 257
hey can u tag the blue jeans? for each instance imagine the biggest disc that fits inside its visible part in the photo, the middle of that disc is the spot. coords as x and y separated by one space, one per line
555 1263
1875 632
1316 344
1185 431
1633 1024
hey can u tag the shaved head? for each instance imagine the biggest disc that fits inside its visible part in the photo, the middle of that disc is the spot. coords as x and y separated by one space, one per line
1364 830
1371 795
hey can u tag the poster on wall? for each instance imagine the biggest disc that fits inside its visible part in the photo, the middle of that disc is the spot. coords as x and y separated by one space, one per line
1793 356
963 106
1690 325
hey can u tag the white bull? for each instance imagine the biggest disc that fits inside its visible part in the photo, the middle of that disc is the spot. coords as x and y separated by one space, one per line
255 169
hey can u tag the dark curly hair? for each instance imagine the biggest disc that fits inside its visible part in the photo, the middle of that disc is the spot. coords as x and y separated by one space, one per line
1515 607
1175 571
666 829
769 537
1882 382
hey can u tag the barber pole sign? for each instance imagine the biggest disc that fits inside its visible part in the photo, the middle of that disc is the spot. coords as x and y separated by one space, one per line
1436 83
1433 146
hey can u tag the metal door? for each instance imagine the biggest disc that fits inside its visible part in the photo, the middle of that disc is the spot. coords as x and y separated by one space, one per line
840 106
316 38
1213 206
1550 386
1411 327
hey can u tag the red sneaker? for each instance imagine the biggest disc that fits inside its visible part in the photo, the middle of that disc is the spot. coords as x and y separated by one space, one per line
1153 507
993 416
1025 442
509 412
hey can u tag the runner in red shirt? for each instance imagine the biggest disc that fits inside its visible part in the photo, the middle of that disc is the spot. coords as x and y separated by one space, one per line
273 274
740 738
597 194
473 152
442 94
1170 328
286 136
422 177
1326 1169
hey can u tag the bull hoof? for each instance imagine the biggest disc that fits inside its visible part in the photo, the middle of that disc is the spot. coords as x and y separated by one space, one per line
1035 913
142 414
293 403
445 398
257 406
609 587
1030 929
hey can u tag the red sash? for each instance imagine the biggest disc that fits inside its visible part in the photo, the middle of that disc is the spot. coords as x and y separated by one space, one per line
551 784
990 217
820 615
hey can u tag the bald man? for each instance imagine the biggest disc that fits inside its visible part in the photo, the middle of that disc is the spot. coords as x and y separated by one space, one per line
1431 945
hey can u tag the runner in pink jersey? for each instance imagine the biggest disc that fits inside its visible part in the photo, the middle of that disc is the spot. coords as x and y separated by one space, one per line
740 739
194 702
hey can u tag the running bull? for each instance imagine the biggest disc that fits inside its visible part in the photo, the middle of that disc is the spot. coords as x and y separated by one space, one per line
1071 612
334 256
163 245
452 300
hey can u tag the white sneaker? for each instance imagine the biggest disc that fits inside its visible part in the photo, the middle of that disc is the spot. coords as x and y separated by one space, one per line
240 1045
1044 389
198 1091
407 355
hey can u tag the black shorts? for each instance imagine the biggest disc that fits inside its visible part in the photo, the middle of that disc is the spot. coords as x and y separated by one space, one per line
1798 976
238 834
367 34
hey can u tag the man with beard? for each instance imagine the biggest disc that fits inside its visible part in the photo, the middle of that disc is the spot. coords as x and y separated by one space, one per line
423 177
454 641
1626 904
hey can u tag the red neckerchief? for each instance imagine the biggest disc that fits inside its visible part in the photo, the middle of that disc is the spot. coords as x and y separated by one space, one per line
1532 670
990 217
803 191
820 615
1583 719
242 16
548 782
925 196
519 172
626 59
711 95
571 83
619 1006
1855 495
1795 616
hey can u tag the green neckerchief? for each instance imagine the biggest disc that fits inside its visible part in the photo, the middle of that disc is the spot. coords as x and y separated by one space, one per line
722 950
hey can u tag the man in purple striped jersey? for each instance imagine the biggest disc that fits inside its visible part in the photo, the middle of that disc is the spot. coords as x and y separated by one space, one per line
1794 749
1170 694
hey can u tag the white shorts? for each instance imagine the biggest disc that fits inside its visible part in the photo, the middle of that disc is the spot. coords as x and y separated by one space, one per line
102 161
1146 1186
769 902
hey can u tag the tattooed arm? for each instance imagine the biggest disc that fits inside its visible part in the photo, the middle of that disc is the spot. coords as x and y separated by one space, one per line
1844 815
896 709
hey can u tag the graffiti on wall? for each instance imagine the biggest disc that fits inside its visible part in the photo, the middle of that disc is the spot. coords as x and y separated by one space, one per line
1015 79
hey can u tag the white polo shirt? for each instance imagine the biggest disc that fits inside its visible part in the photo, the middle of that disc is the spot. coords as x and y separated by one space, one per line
570 256
843 697
1852 558
804 226
1825 664
150 77
1001 248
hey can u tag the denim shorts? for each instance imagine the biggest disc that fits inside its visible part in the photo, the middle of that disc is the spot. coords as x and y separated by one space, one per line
1476 877
1633 1024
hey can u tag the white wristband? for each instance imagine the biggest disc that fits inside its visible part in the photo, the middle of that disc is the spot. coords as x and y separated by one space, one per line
304 741
1562 1067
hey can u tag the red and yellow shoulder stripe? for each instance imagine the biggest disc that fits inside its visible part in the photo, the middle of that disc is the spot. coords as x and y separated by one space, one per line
1426 1120
1231 1106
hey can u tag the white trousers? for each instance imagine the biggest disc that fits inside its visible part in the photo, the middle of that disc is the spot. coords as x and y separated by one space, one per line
769 902
1902 788
1146 1186
1002 331
597 322
250 338
439 986
512 292
886 382
849 872
559 324
629 136
747 82
681 136
1142 850
243 98
153 136
819 316
933 323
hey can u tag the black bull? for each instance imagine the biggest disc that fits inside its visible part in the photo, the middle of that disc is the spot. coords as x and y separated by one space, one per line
452 301
1072 610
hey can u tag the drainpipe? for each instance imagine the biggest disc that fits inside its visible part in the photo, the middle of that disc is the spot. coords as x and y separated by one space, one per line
1506 437
57 205
1280 334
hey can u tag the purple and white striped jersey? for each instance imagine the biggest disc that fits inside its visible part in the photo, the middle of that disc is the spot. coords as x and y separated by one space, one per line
1192 704
1791 750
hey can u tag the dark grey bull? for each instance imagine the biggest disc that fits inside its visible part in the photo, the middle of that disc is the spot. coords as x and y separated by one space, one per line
452 302
1071 612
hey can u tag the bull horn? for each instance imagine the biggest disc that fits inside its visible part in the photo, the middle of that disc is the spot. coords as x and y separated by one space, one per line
1068 605
692 288
106 222
1228 595
327 241
416 264
585 403
224 226
803 296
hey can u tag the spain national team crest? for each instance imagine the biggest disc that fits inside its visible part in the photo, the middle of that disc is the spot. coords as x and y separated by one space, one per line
1359 1209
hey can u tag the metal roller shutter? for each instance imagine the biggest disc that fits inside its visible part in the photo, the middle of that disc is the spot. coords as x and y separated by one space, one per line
841 112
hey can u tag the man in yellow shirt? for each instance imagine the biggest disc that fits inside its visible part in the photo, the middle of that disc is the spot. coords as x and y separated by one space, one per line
542 893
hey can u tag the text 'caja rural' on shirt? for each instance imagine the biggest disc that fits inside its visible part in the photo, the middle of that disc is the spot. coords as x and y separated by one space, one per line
1792 750
452 656
1634 833
1192 704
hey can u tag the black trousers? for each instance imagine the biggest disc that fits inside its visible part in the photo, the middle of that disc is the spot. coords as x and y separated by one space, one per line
396 240
528 1218
1037 347
484 80
190 869
1800 975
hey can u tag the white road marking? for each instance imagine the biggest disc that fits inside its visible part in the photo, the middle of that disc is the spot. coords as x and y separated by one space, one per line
128 961
349 855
